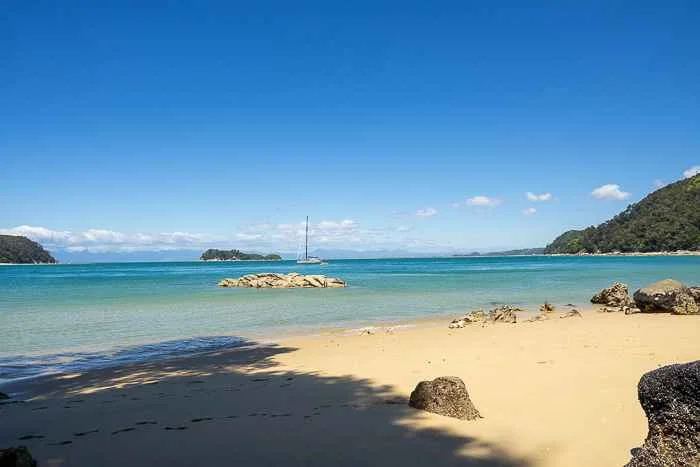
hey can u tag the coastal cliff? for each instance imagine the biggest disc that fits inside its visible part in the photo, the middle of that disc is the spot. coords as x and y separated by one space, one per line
16 249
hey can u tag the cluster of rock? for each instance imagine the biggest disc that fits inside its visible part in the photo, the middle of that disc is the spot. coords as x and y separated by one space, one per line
501 314
16 457
670 397
664 296
446 395
548 311
283 281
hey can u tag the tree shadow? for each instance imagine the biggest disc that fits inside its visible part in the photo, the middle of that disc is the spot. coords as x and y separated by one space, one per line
231 407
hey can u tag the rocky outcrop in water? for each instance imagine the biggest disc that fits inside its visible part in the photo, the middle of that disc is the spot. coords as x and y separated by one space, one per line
667 295
547 307
283 281
16 457
670 397
615 295
446 395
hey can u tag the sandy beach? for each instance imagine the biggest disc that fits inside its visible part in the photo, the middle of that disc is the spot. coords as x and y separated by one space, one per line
552 393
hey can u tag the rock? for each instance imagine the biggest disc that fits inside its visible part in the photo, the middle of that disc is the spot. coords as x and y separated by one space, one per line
670 397
695 293
571 314
472 317
630 310
3 396
547 307
446 395
606 309
666 296
283 281
615 295
16 457
504 314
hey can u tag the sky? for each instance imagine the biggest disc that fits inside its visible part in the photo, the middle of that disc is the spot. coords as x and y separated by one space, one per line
414 126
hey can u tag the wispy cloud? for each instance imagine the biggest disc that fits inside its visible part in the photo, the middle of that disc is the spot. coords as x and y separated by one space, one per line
659 184
345 233
692 171
479 200
529 211
541 197
426 212
610 191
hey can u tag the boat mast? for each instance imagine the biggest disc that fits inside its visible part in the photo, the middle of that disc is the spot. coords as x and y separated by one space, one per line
306 243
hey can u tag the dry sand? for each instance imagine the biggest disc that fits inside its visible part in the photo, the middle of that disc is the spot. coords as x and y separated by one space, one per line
555 393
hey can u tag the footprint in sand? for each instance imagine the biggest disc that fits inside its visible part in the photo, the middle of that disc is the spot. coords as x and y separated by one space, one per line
62 443
124 430
85 433
28 437
202 419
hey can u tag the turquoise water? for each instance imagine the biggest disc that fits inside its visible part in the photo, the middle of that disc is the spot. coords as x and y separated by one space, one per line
65 317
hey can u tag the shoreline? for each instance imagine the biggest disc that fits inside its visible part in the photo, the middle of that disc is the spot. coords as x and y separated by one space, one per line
548 390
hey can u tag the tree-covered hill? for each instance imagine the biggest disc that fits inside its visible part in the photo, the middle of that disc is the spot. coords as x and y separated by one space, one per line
235 255
21 250
666 220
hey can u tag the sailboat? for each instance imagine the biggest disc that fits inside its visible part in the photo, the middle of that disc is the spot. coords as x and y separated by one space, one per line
306 259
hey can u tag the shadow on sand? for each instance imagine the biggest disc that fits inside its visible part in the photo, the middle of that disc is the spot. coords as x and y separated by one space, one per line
225 408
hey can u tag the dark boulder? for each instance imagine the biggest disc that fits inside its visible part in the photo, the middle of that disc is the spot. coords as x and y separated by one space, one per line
667 295
504 314
446 395
695 293
547 307
615 295
16 457
670 397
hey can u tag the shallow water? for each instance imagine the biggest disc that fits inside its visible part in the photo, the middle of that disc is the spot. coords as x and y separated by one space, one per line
71 317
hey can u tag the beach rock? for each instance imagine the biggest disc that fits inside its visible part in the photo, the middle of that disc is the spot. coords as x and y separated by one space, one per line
472 317
504 314
16 457
446 395
606 309
667 295
695 293
670 397
3 396
547 307
615 295
630 309
572 314
282 281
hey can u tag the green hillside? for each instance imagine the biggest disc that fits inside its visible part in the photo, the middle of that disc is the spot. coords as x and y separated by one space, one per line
235 255
666 220
21 250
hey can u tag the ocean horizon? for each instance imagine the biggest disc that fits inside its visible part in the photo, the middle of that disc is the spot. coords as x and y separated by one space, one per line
73 317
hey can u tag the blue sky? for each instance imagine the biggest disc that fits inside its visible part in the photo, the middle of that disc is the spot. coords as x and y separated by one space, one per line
173 125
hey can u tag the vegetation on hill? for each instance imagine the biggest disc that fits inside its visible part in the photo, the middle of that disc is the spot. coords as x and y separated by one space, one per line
235 255
666 220
21 250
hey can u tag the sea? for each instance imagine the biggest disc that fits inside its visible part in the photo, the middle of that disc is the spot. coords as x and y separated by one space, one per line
74 317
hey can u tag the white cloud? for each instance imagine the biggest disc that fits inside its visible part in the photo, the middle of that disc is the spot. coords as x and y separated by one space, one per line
692 171
541 197
610 191
426 212
659 184
483 201
529 211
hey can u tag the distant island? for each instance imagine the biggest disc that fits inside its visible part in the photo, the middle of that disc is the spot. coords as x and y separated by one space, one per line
213 254
520 252
16 249
667 220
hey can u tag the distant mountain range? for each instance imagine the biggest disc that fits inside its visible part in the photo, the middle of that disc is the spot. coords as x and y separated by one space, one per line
666 220
520 252
20 250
